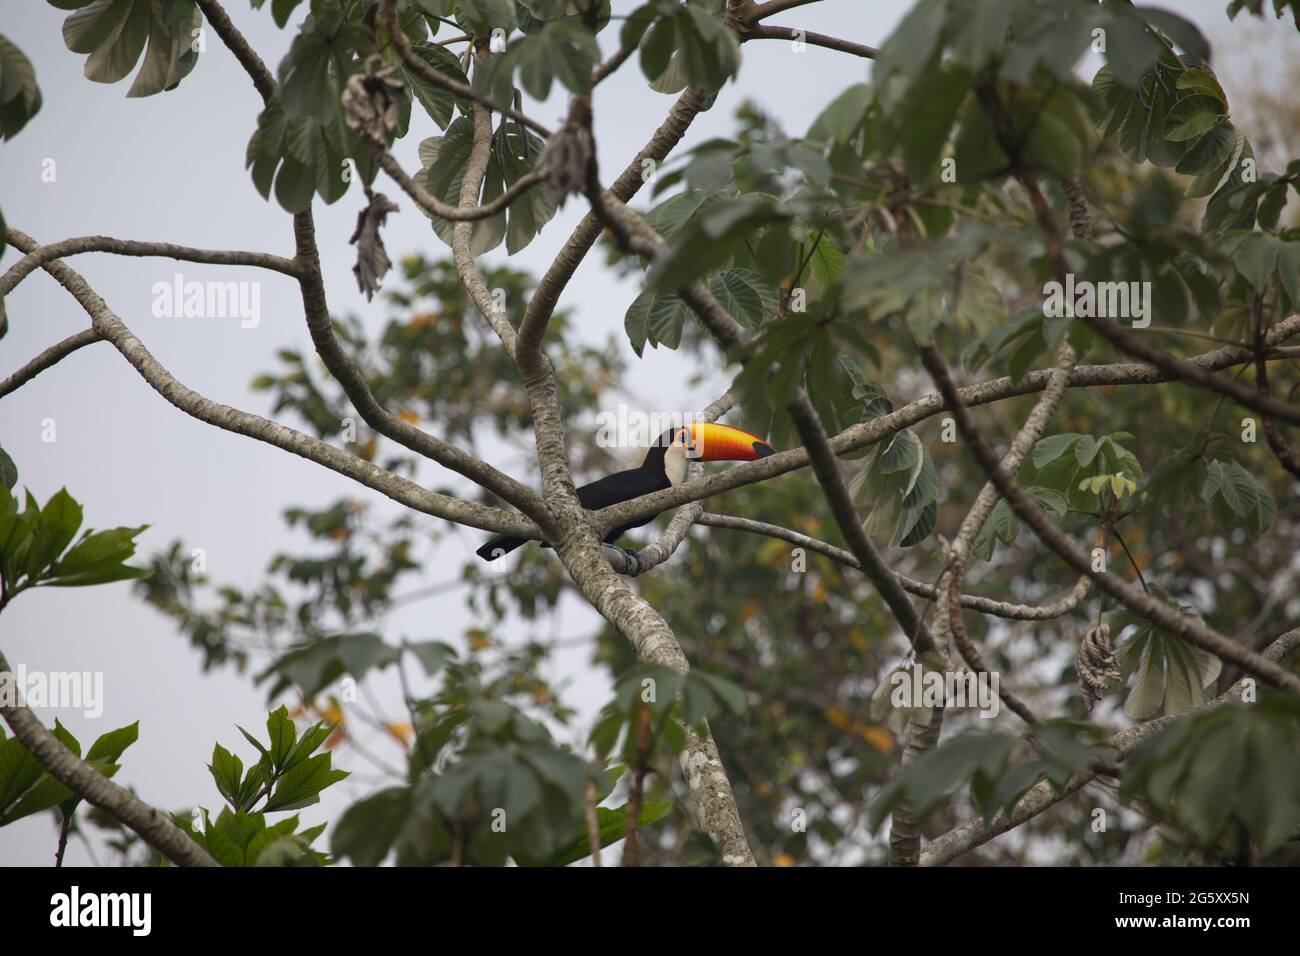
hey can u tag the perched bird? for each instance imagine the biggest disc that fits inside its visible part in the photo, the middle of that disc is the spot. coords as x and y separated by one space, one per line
664 466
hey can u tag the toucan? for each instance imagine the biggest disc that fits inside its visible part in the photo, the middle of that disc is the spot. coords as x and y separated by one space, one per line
664 467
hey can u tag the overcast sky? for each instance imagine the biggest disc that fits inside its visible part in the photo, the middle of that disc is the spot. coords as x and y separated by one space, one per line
171 168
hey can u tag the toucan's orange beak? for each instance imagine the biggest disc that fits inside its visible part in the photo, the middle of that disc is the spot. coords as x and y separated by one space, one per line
710 442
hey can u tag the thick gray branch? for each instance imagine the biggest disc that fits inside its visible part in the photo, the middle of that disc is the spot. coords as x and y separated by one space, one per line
127 247
107 323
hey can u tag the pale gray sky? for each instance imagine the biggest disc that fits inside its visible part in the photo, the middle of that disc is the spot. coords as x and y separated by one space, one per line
171 167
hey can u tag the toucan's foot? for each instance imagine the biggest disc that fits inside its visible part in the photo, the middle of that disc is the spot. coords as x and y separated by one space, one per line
633 556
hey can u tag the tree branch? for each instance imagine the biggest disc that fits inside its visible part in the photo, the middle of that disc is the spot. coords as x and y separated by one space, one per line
547 294
429 74
434 206
983 605
878 429
51 356
826 467
1139 601
655 643
1043 795
766 32
635 563
235 42
153 826
110 327
126 247
354 385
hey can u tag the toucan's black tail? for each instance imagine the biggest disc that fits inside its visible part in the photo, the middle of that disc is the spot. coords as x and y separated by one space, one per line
500 546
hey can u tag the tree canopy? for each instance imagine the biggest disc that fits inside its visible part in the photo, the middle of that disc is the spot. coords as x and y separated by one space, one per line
1014 314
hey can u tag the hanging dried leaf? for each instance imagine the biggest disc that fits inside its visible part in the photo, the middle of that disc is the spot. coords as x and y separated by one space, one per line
372 259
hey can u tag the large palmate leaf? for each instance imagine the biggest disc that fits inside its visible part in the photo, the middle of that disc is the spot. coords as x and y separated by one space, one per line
437 102
658 318
563 50
686 39
513 156
113 34
1168 675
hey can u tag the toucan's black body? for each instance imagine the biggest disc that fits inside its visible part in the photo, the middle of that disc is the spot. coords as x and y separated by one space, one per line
610 490
664 464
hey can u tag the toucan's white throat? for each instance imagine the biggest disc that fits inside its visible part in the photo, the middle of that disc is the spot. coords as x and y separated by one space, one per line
675 464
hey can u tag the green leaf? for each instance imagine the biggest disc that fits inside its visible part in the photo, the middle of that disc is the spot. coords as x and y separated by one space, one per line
1224 774
1053 447
282 732
938 94
1256 259
709 52
480 17
612 827
731 695
20 100
114 34
979 758
228 772
437 102
980 30
110 746
1168 675
563 50
1238 490
746 295
19 770
842 119
301 785
432 655
282 10
1203 81
445 159
1005 524
369 828
54 528
8 470
908 50
1191 117
98 558
1210 152
1179 29
325 660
